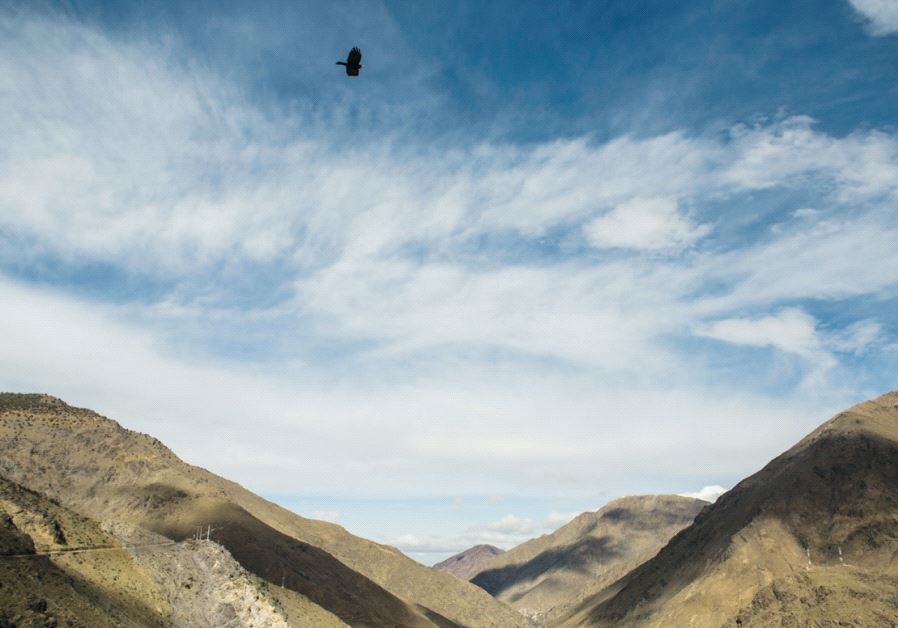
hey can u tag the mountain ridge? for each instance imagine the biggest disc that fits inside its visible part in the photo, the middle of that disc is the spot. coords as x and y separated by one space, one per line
106 471
813 535
543 576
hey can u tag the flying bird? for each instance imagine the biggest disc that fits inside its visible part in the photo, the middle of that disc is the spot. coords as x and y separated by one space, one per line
353 62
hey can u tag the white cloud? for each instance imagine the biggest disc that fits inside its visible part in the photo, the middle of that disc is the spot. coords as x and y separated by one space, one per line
882 15
791 330
857 337
456 367
831 259
791 153
707 493
583 314
794 331
284 431
195 177
505 533
644 223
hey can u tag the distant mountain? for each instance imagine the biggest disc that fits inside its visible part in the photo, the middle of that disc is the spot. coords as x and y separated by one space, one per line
467 563
98 469
544 576
812 538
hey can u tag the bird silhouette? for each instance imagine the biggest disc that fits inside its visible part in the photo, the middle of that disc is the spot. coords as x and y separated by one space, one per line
353 62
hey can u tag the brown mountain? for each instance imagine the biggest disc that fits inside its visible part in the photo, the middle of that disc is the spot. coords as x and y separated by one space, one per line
59 568
811 539
543 576
469 562
98 469
37 589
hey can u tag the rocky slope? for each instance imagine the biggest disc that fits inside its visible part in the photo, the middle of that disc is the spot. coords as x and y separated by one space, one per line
99 469
544 576
59 568
468 563
37 587
811 539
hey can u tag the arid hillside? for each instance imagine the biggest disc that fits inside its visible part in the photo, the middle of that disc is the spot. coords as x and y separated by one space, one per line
544 576
466 564
100 470
811 539
59 568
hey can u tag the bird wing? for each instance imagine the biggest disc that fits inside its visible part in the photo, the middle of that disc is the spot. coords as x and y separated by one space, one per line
355 57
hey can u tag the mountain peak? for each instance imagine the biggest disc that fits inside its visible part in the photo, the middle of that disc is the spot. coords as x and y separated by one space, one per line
814 524
876 416
545 575
467 563
11 401
103 471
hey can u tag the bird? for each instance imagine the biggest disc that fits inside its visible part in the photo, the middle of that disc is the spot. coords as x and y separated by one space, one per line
353 62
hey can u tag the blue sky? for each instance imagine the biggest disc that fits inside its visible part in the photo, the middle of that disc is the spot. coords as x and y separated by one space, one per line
532 259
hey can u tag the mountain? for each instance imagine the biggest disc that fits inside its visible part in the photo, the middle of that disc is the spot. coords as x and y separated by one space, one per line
101 470
811 538
543 576
59 568
466 564
37 590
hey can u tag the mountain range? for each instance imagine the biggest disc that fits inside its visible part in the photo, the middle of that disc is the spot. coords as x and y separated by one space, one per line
94 467
103 526
544 576
809 540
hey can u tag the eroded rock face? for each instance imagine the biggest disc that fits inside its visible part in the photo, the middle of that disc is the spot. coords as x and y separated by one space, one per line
12 540
205 586
115 574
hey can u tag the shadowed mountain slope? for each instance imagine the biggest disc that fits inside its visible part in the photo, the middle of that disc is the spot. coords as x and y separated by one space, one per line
60 568
543 576
469 562
812 538
104 471
91 589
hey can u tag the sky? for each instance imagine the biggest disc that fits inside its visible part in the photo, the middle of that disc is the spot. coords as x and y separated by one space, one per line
531 260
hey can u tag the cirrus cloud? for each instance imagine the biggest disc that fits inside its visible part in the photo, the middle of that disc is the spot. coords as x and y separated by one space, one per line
882 15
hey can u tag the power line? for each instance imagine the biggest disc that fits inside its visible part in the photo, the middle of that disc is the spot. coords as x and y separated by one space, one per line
81 550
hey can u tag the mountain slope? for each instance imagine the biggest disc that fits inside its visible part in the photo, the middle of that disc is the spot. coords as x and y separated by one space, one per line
544 575
96 589
100 469
813 536
466 564
56 565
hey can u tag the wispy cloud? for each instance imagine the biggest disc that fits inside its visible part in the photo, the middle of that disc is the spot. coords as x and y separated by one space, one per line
488 318
505 533
791 330
881 14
